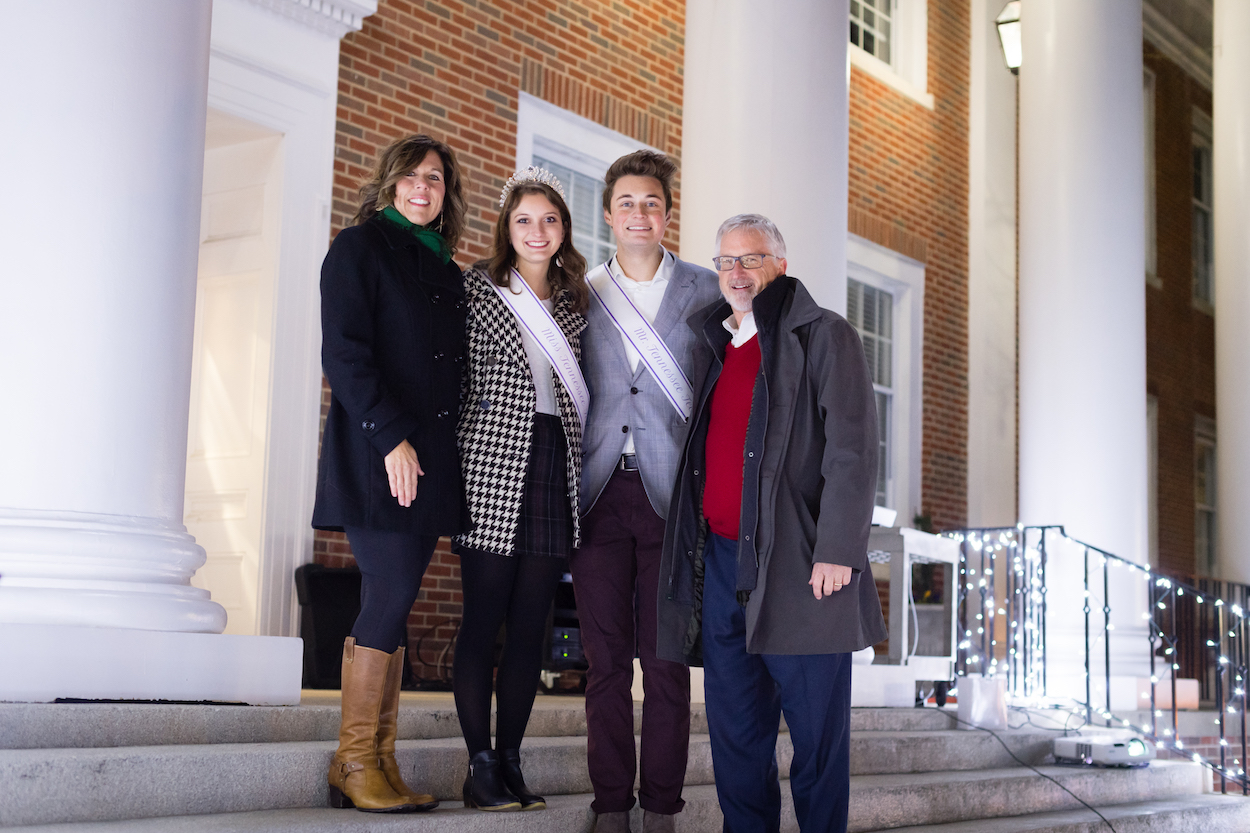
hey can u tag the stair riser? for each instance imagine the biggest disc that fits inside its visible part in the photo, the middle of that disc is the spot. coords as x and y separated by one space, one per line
881 807
221 778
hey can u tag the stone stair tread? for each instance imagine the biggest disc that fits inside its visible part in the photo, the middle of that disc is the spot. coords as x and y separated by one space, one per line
571 814
422 715
1187 814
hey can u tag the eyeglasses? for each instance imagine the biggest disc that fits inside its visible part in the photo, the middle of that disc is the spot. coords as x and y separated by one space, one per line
725 263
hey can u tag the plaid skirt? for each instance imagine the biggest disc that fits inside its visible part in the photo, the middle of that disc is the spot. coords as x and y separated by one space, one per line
546 523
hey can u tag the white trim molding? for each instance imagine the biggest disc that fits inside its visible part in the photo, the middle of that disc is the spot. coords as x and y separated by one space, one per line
1176 45
903 278
330 17
908 69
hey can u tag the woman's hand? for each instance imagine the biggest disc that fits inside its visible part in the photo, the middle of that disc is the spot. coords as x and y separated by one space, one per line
402 470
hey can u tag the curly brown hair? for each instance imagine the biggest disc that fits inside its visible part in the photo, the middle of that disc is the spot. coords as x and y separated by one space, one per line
398 159
641 163
569 275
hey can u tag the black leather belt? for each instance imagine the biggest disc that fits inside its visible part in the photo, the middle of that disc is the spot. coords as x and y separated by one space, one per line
629 462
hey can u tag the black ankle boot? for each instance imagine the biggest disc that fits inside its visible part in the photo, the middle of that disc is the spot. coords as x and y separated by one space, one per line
484 788
510 767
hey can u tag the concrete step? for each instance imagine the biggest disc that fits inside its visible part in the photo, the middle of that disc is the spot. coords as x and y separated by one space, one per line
421 715
48 785
888 801
1189 814
1194 813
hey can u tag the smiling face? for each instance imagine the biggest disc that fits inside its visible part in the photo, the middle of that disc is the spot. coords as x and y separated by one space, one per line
739 286
535 230
419 194
637 214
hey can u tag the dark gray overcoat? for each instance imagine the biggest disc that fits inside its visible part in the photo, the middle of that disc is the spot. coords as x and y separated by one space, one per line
810 474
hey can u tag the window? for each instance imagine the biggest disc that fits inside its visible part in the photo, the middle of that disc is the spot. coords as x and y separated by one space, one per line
578 151
1148 100
885 304
871 312
870 27
890 41
584 195
1203 246
1205 494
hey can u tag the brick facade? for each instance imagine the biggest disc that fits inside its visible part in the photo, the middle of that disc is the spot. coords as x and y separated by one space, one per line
453 69
1180 339
909 191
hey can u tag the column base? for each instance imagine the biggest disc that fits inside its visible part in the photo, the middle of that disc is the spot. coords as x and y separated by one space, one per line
47 662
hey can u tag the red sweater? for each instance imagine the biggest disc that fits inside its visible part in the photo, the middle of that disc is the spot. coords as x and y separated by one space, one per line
727 437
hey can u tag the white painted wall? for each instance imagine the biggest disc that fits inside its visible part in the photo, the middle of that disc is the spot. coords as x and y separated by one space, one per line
764 130
991 276
230 379
274 64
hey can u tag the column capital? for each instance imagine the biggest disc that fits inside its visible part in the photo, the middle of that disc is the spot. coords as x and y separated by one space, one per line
332 17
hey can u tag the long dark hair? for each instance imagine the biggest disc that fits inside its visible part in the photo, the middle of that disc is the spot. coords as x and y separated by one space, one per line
569 277
394 163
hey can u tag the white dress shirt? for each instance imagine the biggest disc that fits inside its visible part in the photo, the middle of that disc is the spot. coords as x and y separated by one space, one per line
647 297
743 334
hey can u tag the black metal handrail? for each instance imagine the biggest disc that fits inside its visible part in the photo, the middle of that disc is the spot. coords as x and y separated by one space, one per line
1200 628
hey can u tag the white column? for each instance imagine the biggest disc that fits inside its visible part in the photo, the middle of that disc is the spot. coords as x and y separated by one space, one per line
764 130
1082 306
99 232
991 276
1231 164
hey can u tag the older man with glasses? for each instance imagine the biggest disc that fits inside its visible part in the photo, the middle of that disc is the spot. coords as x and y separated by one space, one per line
765 578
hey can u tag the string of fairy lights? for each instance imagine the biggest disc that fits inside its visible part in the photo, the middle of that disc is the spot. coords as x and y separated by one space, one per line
1022 660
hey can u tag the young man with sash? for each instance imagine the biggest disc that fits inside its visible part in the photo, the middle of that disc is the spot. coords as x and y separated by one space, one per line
636 355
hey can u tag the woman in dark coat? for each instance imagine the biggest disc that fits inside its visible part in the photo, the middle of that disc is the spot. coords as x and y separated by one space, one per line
520 442
393 328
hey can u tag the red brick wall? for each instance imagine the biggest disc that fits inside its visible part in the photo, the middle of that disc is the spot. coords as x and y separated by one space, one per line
453 69
1180 340
909 170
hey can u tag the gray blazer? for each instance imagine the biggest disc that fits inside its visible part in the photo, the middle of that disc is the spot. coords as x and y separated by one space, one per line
659 433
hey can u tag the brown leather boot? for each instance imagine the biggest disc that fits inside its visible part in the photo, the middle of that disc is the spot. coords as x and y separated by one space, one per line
355 778
388 727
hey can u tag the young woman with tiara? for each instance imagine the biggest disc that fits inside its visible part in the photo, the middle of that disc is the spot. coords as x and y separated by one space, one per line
520 445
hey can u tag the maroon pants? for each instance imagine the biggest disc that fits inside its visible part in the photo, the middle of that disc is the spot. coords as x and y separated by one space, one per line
616 578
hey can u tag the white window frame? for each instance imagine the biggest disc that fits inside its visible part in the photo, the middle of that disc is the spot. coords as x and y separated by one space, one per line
908 70
1152 245
1202 137
903 278
569 139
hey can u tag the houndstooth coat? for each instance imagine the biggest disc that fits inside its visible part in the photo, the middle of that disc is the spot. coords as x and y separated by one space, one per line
497 416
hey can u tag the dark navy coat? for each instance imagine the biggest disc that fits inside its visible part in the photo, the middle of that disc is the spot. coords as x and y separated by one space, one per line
809 483
392 348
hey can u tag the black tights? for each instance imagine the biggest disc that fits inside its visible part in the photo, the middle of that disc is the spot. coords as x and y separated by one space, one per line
391 566
517 590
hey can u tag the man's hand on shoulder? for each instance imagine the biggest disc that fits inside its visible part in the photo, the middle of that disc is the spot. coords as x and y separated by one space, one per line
828 579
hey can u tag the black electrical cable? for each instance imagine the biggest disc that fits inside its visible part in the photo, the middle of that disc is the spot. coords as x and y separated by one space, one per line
1014 757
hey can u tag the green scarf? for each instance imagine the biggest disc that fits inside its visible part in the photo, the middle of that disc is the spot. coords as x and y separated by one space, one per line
428 236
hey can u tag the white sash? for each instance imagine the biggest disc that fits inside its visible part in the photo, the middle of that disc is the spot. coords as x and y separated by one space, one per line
539 323
639 332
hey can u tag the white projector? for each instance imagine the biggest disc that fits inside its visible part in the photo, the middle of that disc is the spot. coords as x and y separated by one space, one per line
1104 751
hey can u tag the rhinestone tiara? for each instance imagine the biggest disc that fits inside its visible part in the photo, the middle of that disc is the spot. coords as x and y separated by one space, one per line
531 174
